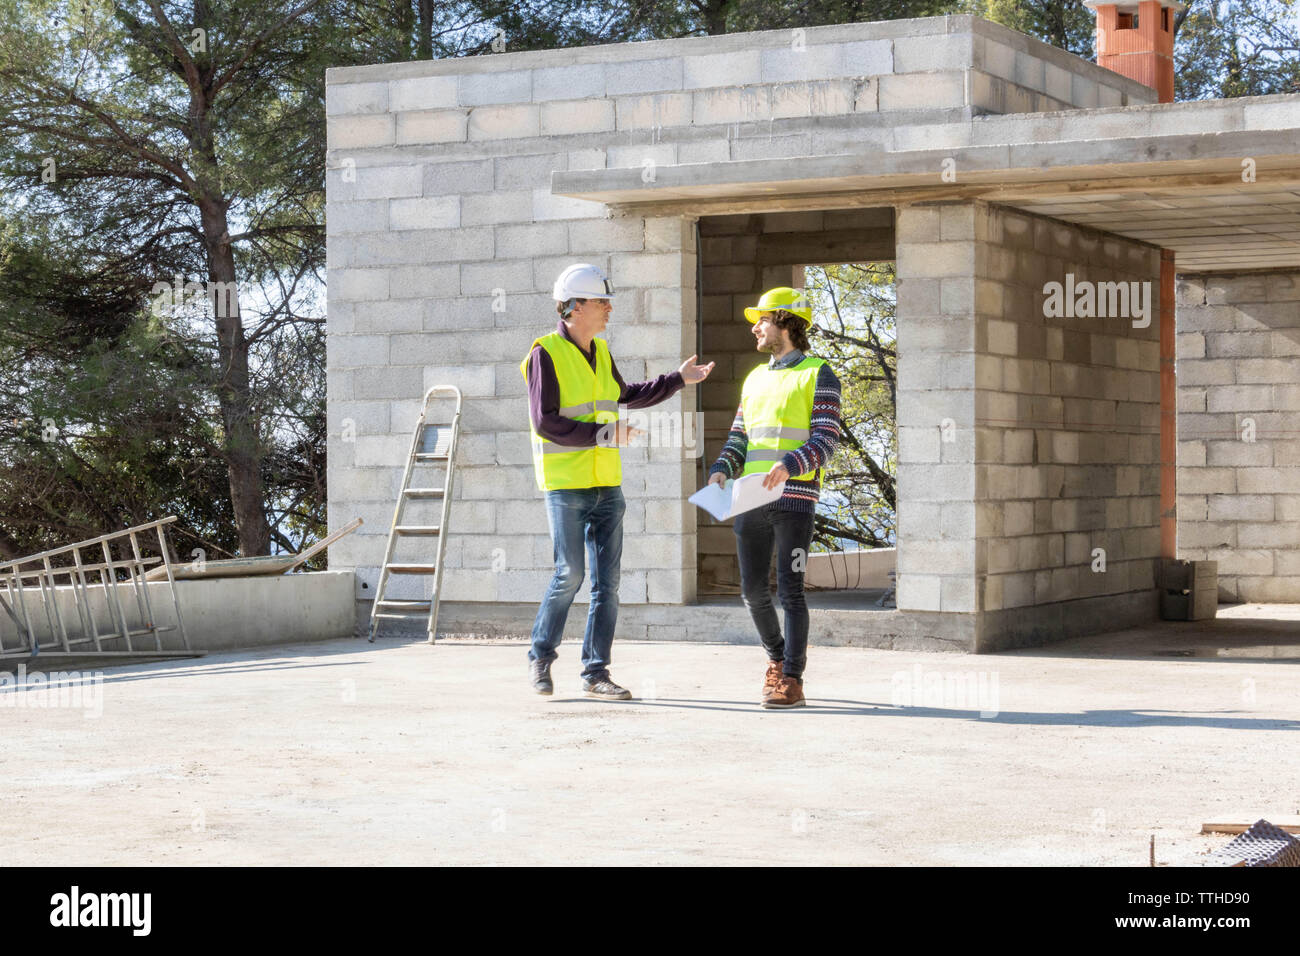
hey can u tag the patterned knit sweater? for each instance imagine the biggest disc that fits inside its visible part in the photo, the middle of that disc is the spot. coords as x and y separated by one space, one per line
815 453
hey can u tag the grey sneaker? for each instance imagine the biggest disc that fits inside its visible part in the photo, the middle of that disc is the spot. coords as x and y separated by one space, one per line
605 689
540 674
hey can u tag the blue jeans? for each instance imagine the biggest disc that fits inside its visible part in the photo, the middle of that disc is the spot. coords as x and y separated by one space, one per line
757 533
592 517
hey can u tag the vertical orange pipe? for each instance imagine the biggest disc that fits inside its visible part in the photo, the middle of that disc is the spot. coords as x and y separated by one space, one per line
1168 412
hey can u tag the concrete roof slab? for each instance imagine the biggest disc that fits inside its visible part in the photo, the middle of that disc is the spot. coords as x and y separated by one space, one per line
1131 185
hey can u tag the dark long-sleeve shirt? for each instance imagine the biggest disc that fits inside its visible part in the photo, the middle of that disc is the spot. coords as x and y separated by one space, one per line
824 436
544 395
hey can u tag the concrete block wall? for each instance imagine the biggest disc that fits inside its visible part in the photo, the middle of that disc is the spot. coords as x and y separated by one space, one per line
1025 442
741 256
444 239
1239 431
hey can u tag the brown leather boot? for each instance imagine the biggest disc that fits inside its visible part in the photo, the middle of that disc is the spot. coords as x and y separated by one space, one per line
774 675
788 693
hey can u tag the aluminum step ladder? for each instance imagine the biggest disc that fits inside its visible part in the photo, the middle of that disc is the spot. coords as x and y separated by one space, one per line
433 447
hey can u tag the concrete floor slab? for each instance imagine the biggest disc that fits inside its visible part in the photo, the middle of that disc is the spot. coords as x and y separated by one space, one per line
402 753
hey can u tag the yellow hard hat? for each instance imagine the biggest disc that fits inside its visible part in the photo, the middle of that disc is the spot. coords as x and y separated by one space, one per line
784 298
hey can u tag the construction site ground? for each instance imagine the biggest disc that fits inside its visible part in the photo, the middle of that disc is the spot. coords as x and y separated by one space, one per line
404 753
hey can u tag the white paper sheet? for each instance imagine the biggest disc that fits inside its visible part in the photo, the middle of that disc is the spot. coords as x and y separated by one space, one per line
736 497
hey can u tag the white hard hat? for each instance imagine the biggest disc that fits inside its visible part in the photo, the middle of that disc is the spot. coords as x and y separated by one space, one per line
582 281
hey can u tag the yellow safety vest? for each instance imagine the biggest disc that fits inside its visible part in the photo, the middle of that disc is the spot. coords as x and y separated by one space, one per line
585 395
777 407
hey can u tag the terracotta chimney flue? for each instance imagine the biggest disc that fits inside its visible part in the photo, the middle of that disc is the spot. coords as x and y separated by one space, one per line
1136 39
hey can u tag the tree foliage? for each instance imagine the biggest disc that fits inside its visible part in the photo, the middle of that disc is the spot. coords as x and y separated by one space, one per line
854 309
1237 48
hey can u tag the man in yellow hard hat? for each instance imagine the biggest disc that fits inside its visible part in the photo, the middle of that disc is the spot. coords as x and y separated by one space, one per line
574 394
786 428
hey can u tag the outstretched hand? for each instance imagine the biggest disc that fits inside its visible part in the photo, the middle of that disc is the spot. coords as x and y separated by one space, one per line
774 477
691 374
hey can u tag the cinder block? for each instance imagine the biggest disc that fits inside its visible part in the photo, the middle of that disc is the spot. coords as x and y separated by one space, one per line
1058 82
360 418
643 76
957 594
653 111
577 116
1085 92
1229 289
1205 372
809 62
343 98
504 122
377 182
739 68
419 282
1259 370
391 316
1240 507
1002 339
1239 398
547 206
922 91
1275 534
356 285
507 86
429 212
442 179
496 207
1269 481
349 351
484 277
388 382
935 259
747 104
813 98
704 151
650 269
606 235
868 57
644 155
592 158
648 551
1235 344
432 126
359 131
521 240
422 93
347 218
1233 453
459 584
584 80
496 482
529 171
918 592
924 53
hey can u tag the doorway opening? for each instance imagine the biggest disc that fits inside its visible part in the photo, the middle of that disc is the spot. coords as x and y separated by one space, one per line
844 260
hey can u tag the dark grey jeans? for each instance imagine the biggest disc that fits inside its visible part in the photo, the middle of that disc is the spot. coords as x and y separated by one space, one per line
790 533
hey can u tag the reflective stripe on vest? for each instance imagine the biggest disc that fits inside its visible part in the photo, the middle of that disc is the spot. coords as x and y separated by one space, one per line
586 395
777 408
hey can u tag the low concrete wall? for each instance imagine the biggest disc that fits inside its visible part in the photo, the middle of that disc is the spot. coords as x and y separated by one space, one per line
221 614
856 570
726 622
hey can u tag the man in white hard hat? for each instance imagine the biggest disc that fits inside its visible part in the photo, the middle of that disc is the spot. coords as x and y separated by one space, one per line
787 428
574 394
